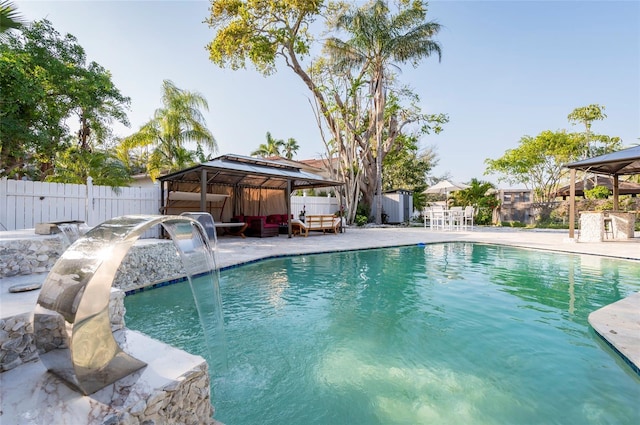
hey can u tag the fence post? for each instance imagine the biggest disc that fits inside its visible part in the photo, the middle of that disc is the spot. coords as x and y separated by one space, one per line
89 202
4 205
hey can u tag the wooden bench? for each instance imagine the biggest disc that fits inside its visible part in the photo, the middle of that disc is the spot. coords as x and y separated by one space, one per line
321 222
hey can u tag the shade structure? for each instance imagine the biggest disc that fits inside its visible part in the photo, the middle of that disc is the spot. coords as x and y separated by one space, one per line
249 182
443 187
623 162
624 187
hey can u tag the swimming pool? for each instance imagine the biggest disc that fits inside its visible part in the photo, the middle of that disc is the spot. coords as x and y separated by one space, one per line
443 333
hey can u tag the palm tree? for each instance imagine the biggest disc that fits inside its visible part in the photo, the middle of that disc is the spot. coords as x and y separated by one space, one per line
472 195
75 165
174 125
379 40
290 148
271 148
10 19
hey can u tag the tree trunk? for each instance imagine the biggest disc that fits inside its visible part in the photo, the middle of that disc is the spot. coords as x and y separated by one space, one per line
379 105
84 132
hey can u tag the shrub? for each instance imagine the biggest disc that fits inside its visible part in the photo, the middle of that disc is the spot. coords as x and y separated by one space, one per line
483 216
514 224
598 192
604 206
361 220
363 210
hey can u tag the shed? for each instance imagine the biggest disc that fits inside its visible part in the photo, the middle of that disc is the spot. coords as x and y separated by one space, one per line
397 205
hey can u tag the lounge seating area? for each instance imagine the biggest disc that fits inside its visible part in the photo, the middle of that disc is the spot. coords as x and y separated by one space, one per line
262 226
321 222
237 189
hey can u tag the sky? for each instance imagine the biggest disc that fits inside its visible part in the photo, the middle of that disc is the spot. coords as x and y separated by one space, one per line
509 69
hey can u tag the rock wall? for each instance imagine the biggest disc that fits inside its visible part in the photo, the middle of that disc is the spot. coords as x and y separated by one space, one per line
17 342
185 399
148 262
17 345
28 256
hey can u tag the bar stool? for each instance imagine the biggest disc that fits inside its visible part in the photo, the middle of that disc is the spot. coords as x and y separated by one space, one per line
608 227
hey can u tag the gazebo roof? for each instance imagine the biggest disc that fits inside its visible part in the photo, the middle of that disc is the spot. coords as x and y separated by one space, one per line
623 162
238 170
624 188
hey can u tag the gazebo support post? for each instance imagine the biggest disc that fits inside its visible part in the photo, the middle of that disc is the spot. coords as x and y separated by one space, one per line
203 190
288 201
572 204
616 191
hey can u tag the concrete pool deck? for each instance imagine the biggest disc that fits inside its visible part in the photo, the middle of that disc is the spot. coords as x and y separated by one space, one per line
621 323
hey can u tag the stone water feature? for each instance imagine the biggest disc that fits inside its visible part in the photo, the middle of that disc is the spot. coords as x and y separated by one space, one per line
130 378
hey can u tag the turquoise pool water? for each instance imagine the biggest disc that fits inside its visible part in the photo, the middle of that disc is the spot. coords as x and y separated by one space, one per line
444 334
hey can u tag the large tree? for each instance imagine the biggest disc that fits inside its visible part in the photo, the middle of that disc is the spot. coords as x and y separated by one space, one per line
586 115
379 41
168 134
407 166
594 144
538 162
261 32
45 81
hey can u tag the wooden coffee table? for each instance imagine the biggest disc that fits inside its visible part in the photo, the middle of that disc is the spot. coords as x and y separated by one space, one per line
234 229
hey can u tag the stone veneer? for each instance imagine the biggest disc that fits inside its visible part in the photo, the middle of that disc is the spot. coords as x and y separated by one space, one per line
592 226
172 389
149 261
17 344
29 255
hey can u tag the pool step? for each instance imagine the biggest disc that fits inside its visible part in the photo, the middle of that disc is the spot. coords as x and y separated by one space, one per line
619 325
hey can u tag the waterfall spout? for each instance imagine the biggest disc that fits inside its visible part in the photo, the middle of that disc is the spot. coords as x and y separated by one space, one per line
71 320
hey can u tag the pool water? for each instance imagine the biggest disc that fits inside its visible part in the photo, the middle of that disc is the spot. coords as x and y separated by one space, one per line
446 334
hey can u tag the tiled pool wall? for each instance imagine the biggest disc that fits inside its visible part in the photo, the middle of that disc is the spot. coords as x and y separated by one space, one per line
182 396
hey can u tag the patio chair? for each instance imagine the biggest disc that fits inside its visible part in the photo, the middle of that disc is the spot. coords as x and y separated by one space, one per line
426 215
455 218
437 217
469 212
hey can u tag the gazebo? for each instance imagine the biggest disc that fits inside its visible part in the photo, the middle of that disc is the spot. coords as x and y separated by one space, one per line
624 187
615 164
254 186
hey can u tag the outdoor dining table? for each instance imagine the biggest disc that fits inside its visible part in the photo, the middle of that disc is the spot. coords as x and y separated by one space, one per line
447 219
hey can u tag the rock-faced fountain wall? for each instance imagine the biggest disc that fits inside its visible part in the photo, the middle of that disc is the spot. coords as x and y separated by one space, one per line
73 333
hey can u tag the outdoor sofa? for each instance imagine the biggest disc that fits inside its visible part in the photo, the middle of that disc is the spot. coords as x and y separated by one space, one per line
262 226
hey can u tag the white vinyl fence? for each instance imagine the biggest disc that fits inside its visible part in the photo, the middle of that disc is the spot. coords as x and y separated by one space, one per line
314 205
23 204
